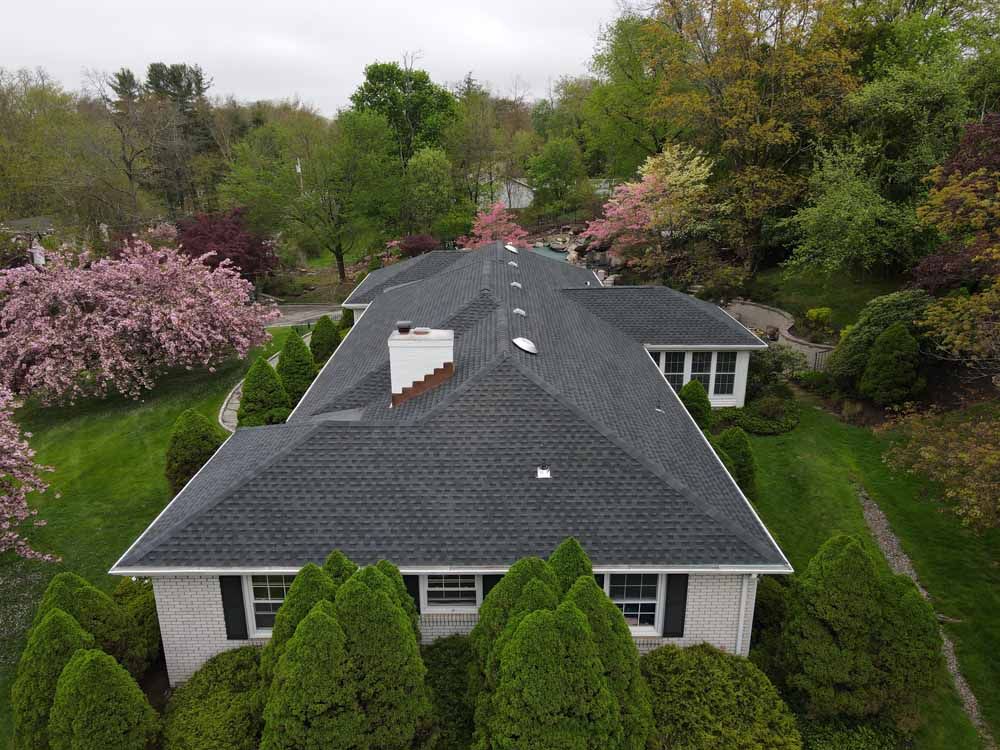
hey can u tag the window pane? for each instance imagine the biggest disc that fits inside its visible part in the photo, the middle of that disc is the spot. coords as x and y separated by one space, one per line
269 591
451 590
701 362
673 362
725 362
635 596
676 380
724 384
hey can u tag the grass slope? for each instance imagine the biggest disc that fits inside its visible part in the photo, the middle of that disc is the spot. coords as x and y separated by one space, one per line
109 459
807 482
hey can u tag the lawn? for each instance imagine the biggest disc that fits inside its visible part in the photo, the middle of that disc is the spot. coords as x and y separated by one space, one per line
109 462
798 291
807 492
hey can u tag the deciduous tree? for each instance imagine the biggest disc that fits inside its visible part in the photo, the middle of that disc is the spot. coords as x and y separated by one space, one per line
226 237
494 225
19 477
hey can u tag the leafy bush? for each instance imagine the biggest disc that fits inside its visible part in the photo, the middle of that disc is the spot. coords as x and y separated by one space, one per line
374 262
346 318
193 441
819 318
448 661
98 706
776 364
296 367
705 698
767 415
313 701
339 567
417 244
892 374
736 444
220 707
325 340
136 597
838 735
818 382
264 399
695 399
569 561
858 642
97 613
401 594
51 644
847 362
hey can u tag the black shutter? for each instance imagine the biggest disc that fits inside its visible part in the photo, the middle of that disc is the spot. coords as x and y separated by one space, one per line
677 593
413 586
599 577
233 608
489 582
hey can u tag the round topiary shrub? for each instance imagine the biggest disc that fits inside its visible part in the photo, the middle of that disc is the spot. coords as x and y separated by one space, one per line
193 441
325 340
98 706
264 399
892 375
296 367
448 661
695 399
220 707
51 644
136 597
736 444
705 698
569 561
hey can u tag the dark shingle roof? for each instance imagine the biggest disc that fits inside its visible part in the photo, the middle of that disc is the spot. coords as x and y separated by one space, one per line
403 272
449 477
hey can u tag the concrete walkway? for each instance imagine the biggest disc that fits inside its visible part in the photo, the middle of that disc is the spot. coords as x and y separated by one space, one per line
297 315
756 315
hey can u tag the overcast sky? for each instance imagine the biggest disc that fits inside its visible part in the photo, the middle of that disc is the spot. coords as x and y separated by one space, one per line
310 48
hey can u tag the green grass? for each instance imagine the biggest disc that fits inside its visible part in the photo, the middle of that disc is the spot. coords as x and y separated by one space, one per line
796 292
109 459
807 492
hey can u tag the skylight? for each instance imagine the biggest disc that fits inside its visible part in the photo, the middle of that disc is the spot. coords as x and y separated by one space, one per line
511 248
516 284
525 345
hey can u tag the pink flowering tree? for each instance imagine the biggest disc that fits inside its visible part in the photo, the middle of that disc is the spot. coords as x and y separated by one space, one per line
19 476
626 221
495 224
80 328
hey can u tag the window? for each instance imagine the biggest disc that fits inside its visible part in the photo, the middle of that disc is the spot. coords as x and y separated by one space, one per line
701 368
452 591
673 368
636 596
725 373
268 592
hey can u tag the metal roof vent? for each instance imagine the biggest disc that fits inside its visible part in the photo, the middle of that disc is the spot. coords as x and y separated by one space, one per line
511 249
516 284
512 263
519 311
545 471
525 345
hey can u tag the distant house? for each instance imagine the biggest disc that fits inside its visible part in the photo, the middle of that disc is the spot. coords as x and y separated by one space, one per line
523 404
24 240
512 192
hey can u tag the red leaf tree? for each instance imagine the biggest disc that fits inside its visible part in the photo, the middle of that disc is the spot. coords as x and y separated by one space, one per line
227 237
493 225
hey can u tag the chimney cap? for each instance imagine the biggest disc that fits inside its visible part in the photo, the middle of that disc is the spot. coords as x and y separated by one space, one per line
404 326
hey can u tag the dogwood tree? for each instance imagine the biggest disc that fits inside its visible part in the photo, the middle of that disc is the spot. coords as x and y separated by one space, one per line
83 327
495 224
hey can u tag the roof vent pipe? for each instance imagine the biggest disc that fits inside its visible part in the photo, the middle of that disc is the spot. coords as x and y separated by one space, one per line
404 326
545 471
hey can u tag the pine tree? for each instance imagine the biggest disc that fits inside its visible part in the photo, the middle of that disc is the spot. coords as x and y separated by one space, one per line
695 399
736 444
401 593
620 658
311 585
193 441
325 340
313 699
98 706
892 374
51 644
569 562
296 367
264 399
385 659
339 567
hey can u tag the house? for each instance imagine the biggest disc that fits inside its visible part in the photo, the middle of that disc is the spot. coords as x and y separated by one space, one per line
485 405
512 192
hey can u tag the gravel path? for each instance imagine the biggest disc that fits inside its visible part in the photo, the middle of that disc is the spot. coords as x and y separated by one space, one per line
900 563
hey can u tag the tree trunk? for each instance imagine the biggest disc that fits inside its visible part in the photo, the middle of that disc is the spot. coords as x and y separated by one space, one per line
338 253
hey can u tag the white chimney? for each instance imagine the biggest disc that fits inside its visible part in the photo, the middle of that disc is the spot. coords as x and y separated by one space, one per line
419 359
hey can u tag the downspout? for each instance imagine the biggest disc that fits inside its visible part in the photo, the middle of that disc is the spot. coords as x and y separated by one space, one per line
743 612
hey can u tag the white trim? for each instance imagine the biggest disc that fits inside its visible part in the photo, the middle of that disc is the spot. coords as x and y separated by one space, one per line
703 347
599 282
427 608
356 306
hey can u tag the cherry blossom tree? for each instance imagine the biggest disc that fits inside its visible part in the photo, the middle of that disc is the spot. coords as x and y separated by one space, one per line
495 224
19 476
82 327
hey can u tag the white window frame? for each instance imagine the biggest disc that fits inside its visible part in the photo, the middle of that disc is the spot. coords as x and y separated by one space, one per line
685 371
446 609
737 397
248 609
645 631
715 371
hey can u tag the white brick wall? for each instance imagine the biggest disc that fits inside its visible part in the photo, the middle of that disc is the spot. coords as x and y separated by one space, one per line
194 630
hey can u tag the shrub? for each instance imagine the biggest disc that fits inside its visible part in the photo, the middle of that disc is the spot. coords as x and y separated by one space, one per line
296 367
858 642
51 644
569 561
417 244
346 318
374 262
220 707
818 382
770 611
136 597
325 340
98 706
264 399
705 698
695 399
891 376
193 441
313 701
618 654
552 691
726 459
819 318
385 660
96 612
448 661
401 594
847 362
839 735
736 444
339 567
311 585
535 595
776 364
767 415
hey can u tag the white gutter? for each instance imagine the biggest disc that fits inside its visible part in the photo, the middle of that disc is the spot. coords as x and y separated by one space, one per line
743 613
704 347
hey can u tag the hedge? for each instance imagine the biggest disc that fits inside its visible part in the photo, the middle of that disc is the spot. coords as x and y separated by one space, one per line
296 367
220 707
136 597
193 441
264 399
448 661
569 561
325 340
767 415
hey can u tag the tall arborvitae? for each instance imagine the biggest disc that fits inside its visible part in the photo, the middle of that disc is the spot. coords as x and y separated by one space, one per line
339 567
264 399
403 596
569 562
296 367
324 341
194 439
